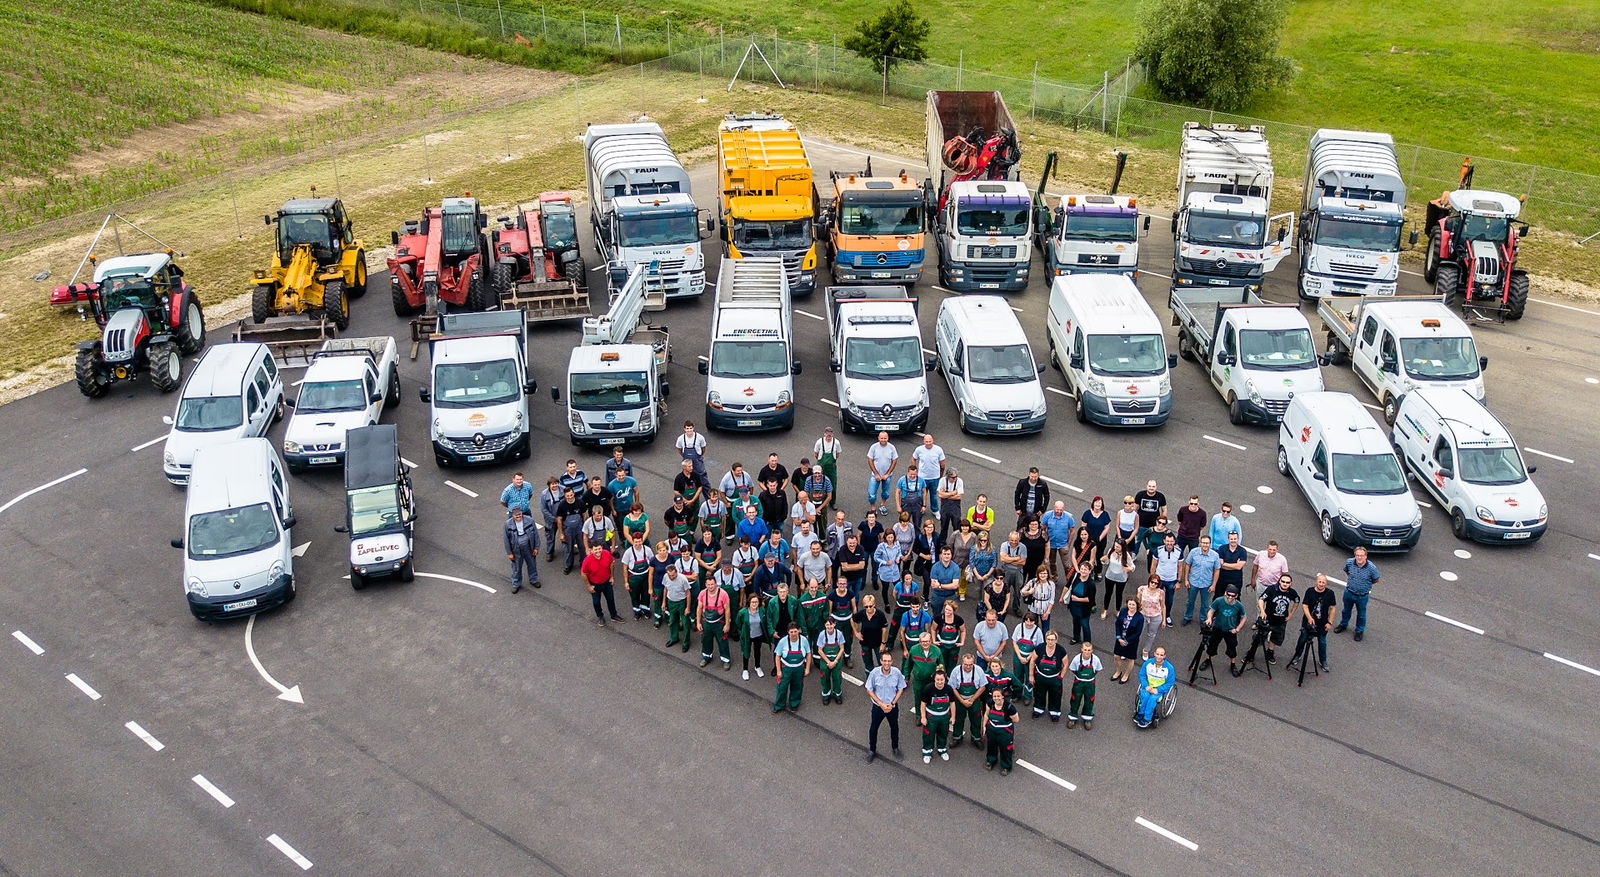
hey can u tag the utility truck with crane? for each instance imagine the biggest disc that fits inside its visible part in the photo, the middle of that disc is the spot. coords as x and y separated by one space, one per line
1351 215
1085 233
1222 233
980 209
642 209
768 196
1473 236
617 377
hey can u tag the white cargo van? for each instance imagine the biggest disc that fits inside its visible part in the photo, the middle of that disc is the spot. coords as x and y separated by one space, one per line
989 366
880 373
749 374
1110 347
238 558
1339 458
234 392
480 388
1466 458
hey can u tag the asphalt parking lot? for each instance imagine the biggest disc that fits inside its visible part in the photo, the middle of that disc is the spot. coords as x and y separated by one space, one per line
447 726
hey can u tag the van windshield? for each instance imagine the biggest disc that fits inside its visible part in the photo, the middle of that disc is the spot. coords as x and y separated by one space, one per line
476 384
1439 359
749 359
209 413
232 531
1004 364
604 391
1127 356
1276 349
883 359
374 509
331 396
1491 466
1374 474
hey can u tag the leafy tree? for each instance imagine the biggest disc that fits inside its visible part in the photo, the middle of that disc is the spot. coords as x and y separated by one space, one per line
1213 53
899 34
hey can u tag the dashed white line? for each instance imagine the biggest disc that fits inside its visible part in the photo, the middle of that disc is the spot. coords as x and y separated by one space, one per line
1156 274
1072 487
809 314
1030 766
46 486
1591 380
1594 557
827 401
137 448
39 650
1212 438
1529 450
980 456
144 735
409 464
1340 582
705 359
1059 392
1372 406
1017 309
470 493
212 790
1424 504
1247 509
929 352
83 686
1567 307
291 852
1451 621
1169 835
1573 664
851 679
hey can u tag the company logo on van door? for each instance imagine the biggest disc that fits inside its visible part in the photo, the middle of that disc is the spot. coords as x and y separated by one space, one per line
1305 435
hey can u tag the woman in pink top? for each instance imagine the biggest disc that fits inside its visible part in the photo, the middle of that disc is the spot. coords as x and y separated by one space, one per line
1153 606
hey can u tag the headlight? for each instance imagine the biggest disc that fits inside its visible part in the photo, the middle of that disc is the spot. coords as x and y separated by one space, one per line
646 420
1038 410
1255 394
291 447
1348 519
169 458
714 399
1544 512
1484 515
1416 519
1165 386
577 424
1095 386
784 398
438 429
276 572
196 586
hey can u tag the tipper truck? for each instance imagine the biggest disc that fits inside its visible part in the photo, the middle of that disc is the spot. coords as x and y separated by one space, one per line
876 228
642 208
981 211
1351 217
1256 355
1222 234
1085 233
769 199
749 374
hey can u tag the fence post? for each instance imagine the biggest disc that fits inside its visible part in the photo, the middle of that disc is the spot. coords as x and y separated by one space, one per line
883 98
1105 95
616 23
501 10
722 47
585 15
701 53
458 10
961 63
544 25
1033 90
669 36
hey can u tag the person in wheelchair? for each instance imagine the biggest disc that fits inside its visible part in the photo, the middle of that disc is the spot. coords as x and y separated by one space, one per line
1156 678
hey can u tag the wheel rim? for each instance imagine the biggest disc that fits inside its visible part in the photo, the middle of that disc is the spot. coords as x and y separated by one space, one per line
1283 461
173 365
193 322
1327 529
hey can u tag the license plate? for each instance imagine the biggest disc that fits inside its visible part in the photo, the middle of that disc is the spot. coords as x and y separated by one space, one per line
1385 292
1385 543
317 460
1518 535
1132 421
242 604
886 427
479 458
988 286
1010 426
881 274
747 423
613 440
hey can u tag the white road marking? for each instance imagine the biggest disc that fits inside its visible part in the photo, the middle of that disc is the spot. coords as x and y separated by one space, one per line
1169 835
1594 557
1212 438
942 289
291 852
450 483
1372 406
1566 307
1447 575
851 679
1247 509
1528 449
1072 487
811 315
479 585
409 464
144 735
46 486
212 790
1573 664
971 452
1059 392
1451 621
827 401
39 650
1339 582
1156 274
1030 766
909 162
1591 380
83 686
1263 490
1017 309
1424 504
137 448
298 383
301 549
289 693
1464 554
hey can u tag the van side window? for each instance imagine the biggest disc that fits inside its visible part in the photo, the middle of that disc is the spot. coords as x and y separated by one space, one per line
1319 458
1230 344
1387 350
959 354
272 369
1077 344
262 381
1369 330
1443 454
252 402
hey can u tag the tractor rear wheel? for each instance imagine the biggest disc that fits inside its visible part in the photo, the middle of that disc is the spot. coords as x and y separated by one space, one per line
358 284
1430 259
86 369
191 333
573 271
263 302
505 277
397 294
1518 301
166 366
334 306
1447 282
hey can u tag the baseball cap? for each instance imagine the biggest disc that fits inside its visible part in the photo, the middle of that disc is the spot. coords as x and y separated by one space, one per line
1233 590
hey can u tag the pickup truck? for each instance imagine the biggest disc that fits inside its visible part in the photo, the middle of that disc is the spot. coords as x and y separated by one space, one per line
1256 355
348 384
1396 344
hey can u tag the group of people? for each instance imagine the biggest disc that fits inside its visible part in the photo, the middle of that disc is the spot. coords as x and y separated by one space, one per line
771 561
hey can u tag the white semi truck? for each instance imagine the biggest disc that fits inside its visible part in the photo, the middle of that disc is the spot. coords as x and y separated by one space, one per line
1222 233
1350 220
982 212
642 208
749 374
617 378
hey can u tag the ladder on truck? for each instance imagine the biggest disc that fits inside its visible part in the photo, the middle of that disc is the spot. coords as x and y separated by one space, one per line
752 280
623 322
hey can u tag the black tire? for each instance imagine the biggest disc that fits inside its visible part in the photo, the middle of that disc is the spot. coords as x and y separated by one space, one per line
1430 259
334 306
1338 354
357 580
1391 409
1078 409
408 570
575 274
1517 303
86 369
1236 414
191 331
1325 530
393 396
1283 462
479 296
397 295
1447 283
504 277
1458 525
1055 360
358 284
1186 347
166 366
263 302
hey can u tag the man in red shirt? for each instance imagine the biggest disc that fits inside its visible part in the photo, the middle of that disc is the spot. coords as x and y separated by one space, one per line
598 569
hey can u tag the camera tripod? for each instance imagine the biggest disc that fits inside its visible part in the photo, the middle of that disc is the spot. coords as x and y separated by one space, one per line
1200 657
1257 643
1304 656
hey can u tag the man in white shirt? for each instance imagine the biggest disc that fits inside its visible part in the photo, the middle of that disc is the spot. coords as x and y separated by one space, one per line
802 510
930 465
951 491
881 461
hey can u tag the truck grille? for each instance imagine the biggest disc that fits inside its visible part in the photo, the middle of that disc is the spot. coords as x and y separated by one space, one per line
1008 416
1230 269
990 273
326 446
1363 270
895 414
888 259
604 426
1099 259
791 267
1370 532
469 446
1134 406
1487 269
116 345
1006 252
1275 407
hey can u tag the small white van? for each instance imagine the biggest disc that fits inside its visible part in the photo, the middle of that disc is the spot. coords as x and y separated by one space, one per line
234 392
1112 350
1340 459
238 558
1466 458
989 367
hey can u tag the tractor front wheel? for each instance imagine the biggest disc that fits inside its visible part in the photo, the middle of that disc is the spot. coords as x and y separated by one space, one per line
263 302
86 369
334 306
573 271
504 278
397 294
191 333
1518 300
1430 259
1447 282
358 283
477 294
166 366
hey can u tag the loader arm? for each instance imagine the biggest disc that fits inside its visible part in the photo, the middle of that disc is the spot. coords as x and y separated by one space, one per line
299 277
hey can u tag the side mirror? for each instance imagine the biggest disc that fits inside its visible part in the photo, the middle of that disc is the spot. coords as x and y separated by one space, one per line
1147 222
178 542
1038 368
833 365
1325 359
705 368
1075 361
1283 233
483 220
794 367
952 369
531 386
266 220
1223 358
167 419
340 528
711 225
929 364
555 394
1483 363
424 395
1172 361
1523 230
1174 223
1318 476
1532 470
375 397
290 402
1446 472
394 239
1413 239
289 522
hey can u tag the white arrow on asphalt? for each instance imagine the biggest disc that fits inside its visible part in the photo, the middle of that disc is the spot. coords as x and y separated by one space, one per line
300 550
289 693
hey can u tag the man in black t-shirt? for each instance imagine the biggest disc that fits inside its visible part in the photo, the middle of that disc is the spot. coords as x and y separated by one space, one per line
1152 504
1276 604
1231 572
850 564
870 623
569 518
773 471
1316 610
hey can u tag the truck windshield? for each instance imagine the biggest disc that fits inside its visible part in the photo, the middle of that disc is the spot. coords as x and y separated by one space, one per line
560 230
1439 359
749 359
1127 356
476 384
661 230
209 413
1099 227
374 509
1276 349
883 359
331 396
1381 236
1372 474
992 220
1484 228
231 531
785 234
881 218
1491 466
306 228
1004 364
1227 231
604 391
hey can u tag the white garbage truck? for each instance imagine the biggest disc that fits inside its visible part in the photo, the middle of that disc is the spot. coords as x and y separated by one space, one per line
642 208
982 212
1350 220
1222 233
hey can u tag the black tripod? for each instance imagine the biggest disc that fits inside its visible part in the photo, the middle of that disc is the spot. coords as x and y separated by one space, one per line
1304 656
1198 662
1257 643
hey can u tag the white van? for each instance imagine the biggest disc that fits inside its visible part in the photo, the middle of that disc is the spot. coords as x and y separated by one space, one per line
989 366
237 520
750 383
1466 458
235 392
1108 344
1340 459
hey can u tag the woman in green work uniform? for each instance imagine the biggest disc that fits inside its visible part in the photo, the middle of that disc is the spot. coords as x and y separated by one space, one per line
636 521
999 678
934 701
752 635
830 643
1000 733
1048 665
949 634
1025 638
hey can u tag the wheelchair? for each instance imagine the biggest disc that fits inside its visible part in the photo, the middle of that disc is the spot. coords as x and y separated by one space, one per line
1164 708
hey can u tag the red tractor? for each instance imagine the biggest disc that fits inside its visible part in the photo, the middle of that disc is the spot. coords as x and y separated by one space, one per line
442 262
1471 258
149 319
539 245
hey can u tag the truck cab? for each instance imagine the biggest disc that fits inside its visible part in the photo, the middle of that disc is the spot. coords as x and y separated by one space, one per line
984 234
480 388
1396 345
769 201
1257 356
380 508
1333 451
1351 220
662 231
1222 240
1092 234
875 229
1108 344
881 375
